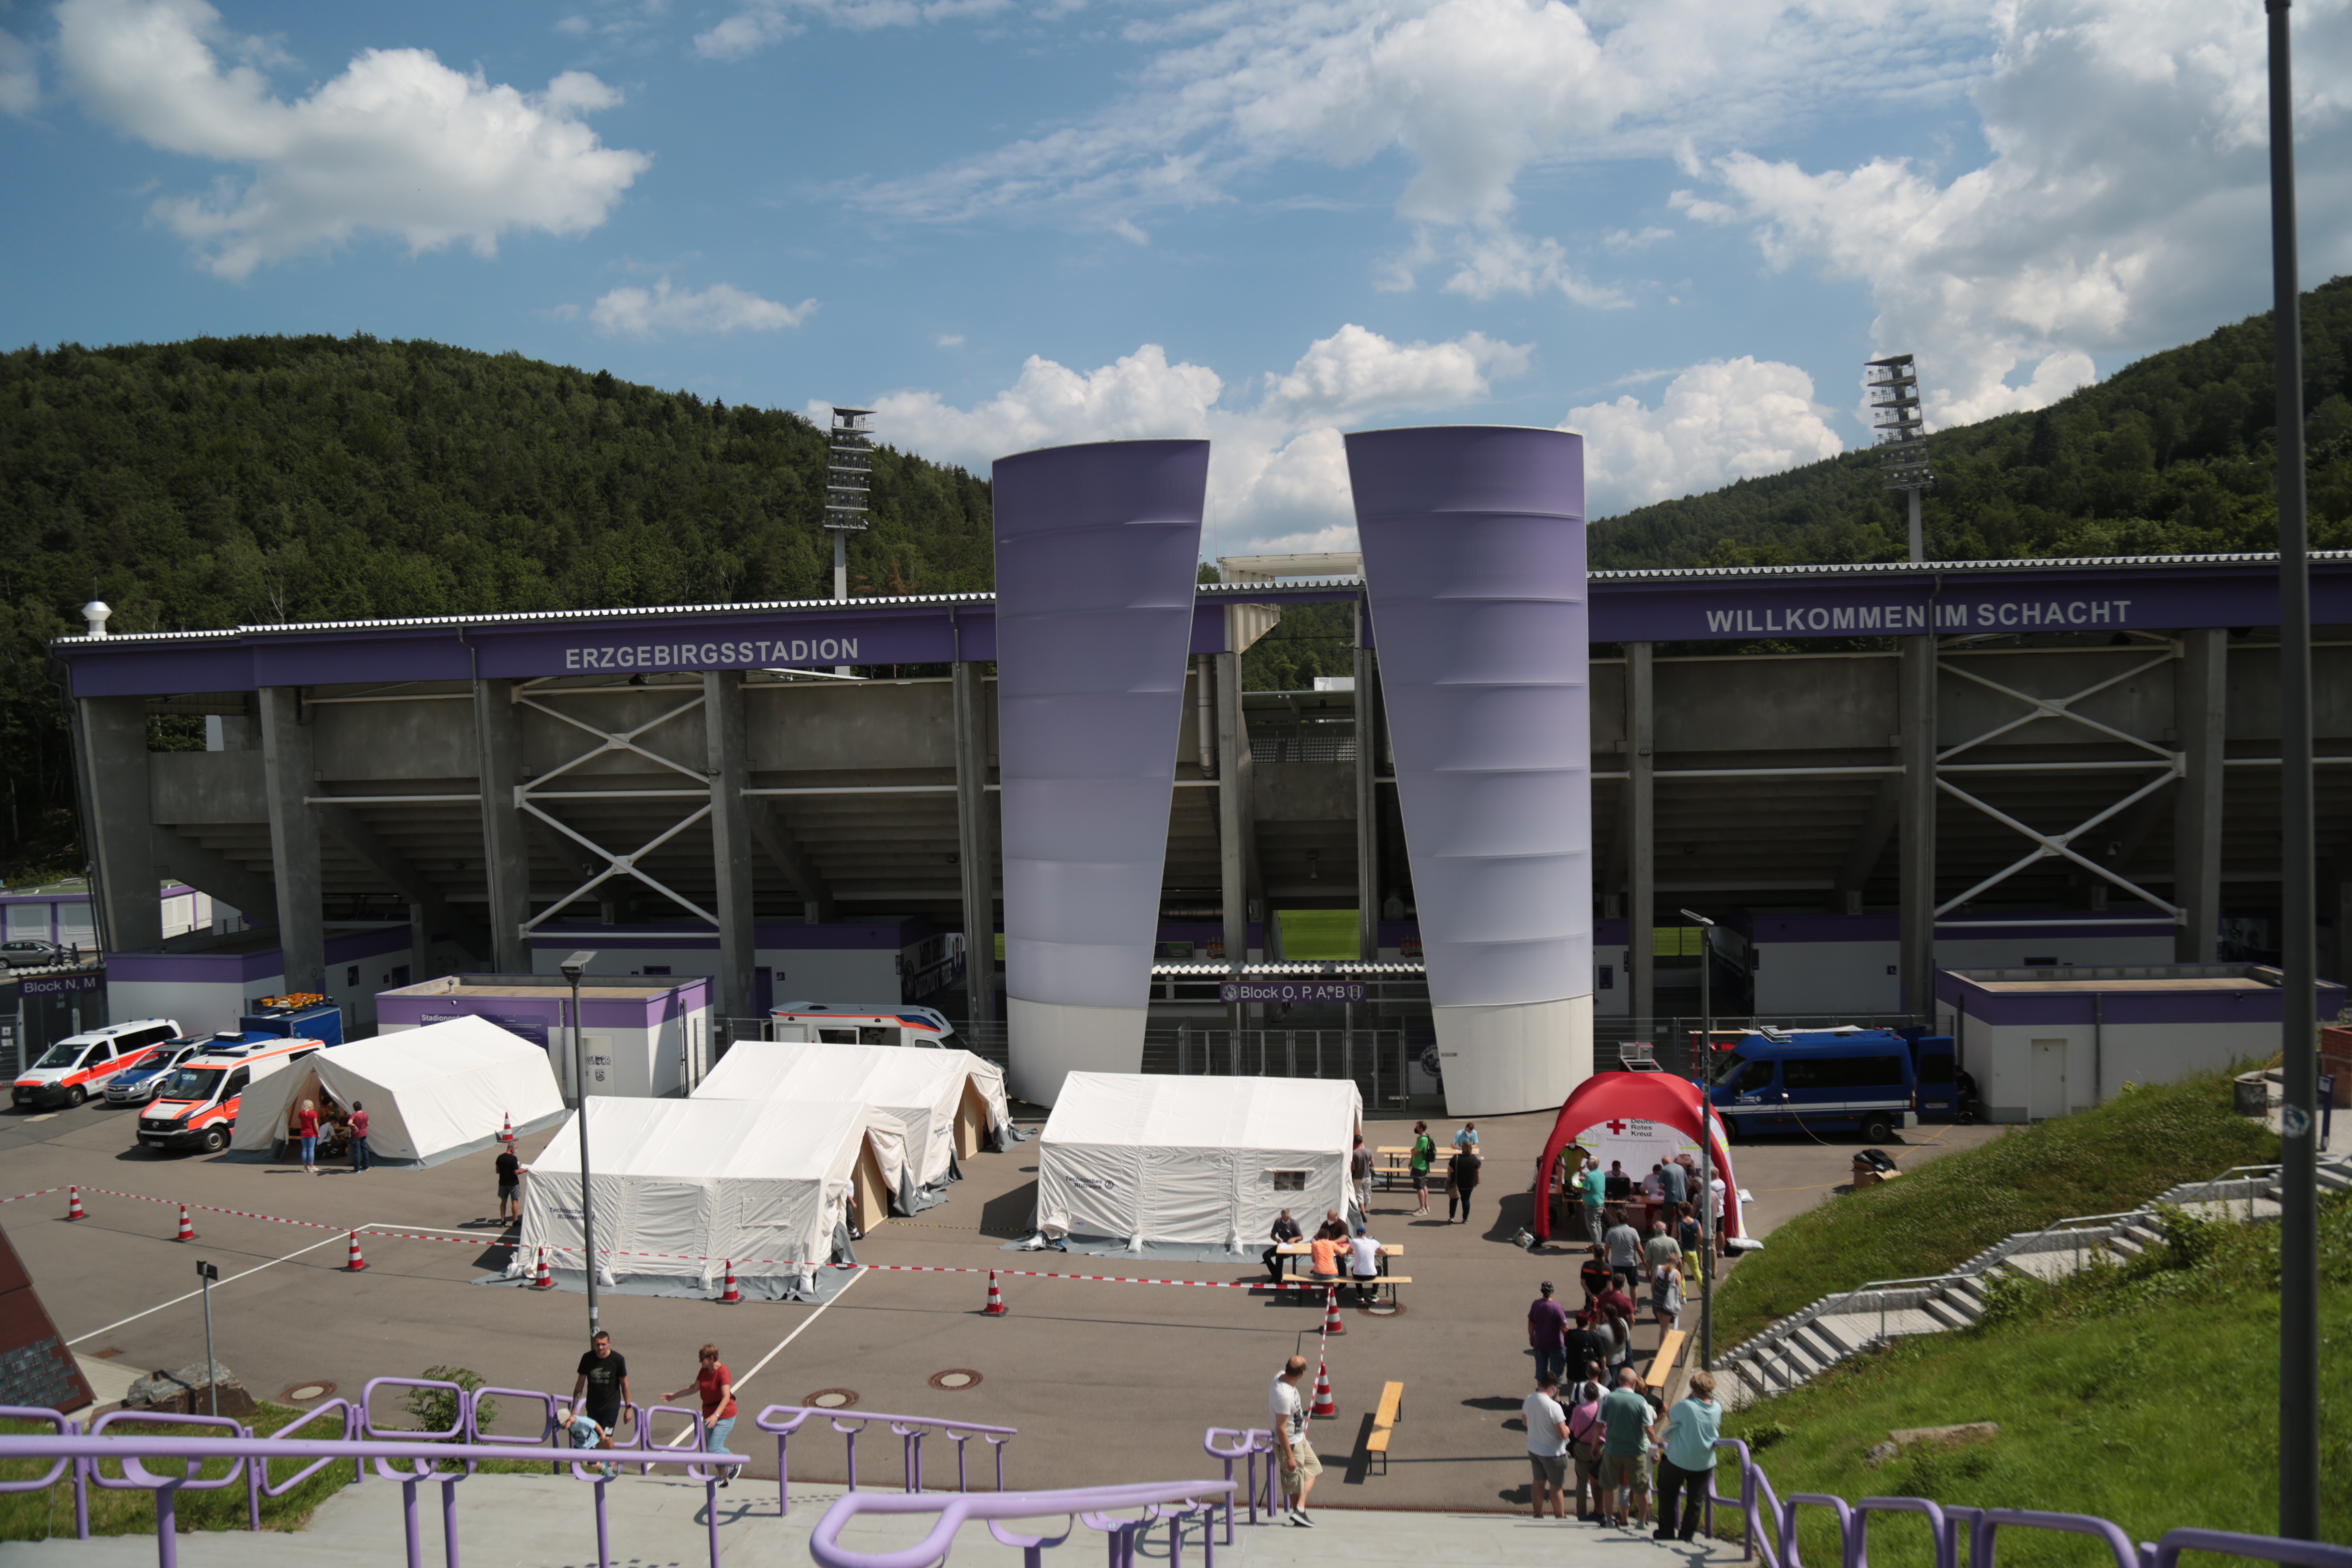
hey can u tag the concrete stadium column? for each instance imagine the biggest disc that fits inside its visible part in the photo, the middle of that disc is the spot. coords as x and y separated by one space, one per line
1234 809
1473 563
1916 705
975 843
2200 714
1367 797
1640 818
289 778
111 738
728 762
1097 550
506 851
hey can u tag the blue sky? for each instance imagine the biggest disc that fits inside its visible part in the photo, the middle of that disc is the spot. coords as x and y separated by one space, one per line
1678 226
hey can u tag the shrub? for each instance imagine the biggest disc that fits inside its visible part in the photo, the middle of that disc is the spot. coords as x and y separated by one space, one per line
435 1409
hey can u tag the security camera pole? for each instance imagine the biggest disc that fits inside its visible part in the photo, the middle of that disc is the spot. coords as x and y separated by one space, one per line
573 968
1706 1144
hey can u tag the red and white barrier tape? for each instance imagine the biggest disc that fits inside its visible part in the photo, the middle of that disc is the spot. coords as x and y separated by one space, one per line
480 1240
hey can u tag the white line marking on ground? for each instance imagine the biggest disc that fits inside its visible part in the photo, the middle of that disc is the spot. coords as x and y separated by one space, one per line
199 1290
801 1329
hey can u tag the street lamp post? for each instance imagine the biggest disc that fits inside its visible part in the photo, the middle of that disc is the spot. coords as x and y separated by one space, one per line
205 1274
1705 1139
573 968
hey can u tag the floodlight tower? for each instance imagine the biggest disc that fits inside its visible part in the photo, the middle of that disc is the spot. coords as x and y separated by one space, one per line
848 486
1892 385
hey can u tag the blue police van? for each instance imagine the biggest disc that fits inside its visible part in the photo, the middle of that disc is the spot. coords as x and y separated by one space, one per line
1817 1080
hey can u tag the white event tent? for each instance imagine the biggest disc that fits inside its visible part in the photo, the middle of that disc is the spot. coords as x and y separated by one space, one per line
1193 1162
683 1187
432 1094
951 1103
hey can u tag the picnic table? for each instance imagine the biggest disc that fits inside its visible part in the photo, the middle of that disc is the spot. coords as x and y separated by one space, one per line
1294 1250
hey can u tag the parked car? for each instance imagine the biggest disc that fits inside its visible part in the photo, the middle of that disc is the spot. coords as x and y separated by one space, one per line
32 952
136 1086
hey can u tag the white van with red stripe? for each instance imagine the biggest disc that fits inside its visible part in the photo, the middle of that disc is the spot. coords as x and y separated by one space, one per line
78 1066
197 1107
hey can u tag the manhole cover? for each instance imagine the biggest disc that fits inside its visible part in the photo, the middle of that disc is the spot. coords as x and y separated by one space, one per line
831 1398
1381 1310
956 1377
308 1393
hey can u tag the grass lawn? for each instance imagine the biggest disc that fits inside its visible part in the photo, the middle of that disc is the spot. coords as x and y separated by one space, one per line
1311 934
2148 1396
1941 1214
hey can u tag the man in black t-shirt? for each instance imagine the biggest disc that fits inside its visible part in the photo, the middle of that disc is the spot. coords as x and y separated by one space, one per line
602 1386
510 1186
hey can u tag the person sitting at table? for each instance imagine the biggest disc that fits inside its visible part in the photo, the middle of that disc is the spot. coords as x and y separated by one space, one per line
1326 1252
1333 1228
1367 1255
1654 1185
1285 1230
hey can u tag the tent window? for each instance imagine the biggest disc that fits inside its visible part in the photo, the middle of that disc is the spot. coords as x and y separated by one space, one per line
868 1034
1288 1181
836 1036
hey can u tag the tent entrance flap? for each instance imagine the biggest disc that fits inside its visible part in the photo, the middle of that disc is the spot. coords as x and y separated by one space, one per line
972 1122
868 1192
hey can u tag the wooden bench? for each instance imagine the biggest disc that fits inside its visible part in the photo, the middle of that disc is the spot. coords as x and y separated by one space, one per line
1384 1420
1670 1350
1396 1167
1294 1250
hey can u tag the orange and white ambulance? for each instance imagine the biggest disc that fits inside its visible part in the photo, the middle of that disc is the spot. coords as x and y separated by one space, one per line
197 1107
80 1065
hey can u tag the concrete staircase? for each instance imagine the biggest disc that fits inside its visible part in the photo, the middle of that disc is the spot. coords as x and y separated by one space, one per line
1801 1347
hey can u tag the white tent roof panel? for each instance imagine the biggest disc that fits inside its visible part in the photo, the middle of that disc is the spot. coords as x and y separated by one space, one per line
430 1093
919 1086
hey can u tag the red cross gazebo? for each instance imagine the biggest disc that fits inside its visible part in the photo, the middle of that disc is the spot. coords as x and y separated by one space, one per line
1613 1099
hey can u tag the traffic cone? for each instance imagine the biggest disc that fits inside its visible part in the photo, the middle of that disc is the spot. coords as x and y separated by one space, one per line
187 1226
546 1282
996 1308
356 1262
1325 1409
73 1204
506 1133
1332 1326
730 1296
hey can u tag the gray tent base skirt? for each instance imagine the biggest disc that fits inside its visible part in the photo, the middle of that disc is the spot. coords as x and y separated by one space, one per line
828 1283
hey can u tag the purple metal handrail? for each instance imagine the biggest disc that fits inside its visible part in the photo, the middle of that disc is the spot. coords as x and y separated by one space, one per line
257 1484
911 1430
86 1452
1254 1441
1758 1504
548 1403
368 1427
64 1425
1165 1501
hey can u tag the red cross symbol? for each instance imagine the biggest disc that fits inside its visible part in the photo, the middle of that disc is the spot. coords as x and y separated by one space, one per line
1616 1127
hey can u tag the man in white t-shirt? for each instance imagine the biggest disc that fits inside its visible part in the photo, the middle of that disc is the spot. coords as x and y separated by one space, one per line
1547 1446
1365 1263
1296 1465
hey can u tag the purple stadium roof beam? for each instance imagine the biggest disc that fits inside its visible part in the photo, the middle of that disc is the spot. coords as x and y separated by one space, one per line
1097 550
1474 561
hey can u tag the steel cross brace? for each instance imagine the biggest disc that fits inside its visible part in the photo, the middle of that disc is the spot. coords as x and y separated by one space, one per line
527 797
2059 846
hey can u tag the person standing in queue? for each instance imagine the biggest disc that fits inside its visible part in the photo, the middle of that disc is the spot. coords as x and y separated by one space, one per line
1425 1153
1360 1175
1463 1181
1547 1444
1547 1335
1596 1194
716 1386
1687 1464
602 1387
359 1137
305 1126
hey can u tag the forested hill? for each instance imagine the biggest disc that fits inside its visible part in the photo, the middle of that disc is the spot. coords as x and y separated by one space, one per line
215 482
2172 453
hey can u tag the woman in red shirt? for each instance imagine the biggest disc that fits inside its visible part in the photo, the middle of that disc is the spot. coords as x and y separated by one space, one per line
715 1385
306 1125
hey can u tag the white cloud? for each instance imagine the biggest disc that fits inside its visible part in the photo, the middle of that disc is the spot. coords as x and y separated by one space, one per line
2125 204
948 341
397 142
722 308
1473 93
1498 261
1625 241
1279 476
1715 422
766 22
20 79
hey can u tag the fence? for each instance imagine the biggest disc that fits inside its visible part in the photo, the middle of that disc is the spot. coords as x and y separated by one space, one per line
910 1431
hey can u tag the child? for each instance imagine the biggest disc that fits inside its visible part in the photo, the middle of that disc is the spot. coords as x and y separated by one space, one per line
587 1432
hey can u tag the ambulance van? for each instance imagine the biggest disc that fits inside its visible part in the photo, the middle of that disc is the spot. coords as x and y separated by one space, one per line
197 1107
80 1065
